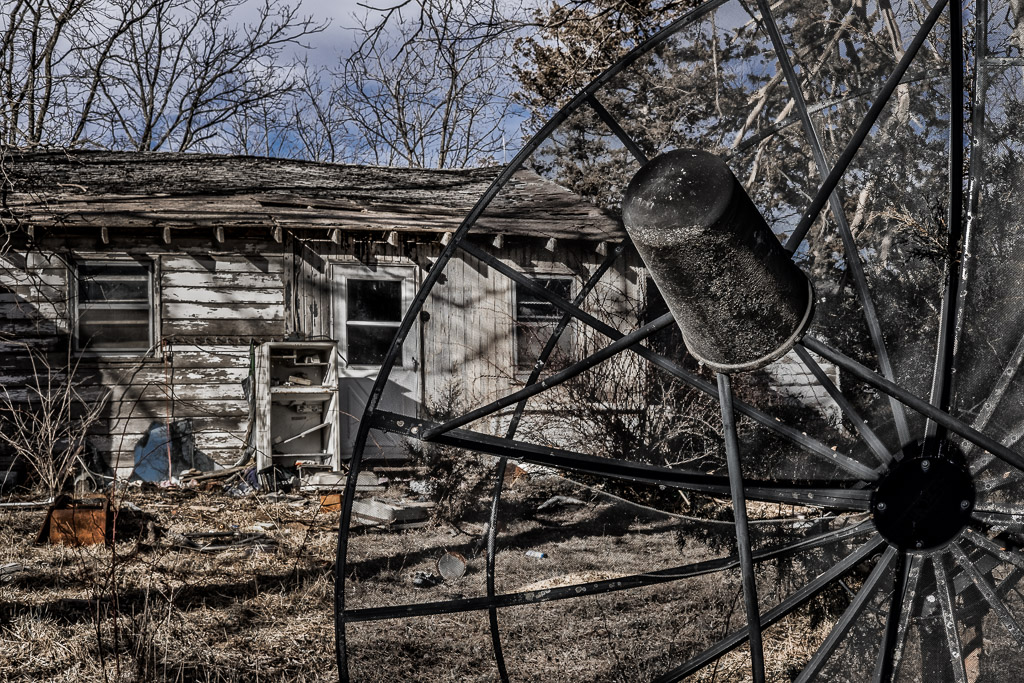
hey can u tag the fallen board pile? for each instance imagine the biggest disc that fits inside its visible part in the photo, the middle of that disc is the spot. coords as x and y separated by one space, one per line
403 515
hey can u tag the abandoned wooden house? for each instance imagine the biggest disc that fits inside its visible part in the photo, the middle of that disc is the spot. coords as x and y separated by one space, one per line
170 279
253 299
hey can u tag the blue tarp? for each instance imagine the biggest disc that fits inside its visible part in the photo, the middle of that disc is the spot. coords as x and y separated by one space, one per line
153 450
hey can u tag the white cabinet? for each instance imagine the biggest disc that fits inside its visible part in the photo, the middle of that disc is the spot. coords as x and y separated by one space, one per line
297 406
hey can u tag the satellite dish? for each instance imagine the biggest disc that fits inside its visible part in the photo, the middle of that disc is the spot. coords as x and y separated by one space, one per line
874 530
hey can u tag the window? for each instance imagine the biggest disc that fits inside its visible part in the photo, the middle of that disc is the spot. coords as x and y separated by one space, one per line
536 319
114 306
374 315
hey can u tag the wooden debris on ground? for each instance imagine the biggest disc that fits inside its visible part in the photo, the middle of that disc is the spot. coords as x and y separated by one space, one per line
7 571
367 482
559 501
330 502
218 474
216 541
396 515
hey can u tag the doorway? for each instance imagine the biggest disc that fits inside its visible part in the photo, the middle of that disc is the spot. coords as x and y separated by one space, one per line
369 303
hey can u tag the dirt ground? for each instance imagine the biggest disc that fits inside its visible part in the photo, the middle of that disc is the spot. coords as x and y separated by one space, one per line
147 609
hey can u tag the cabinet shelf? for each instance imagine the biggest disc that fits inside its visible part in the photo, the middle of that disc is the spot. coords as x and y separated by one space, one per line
309 414
320 393
289 362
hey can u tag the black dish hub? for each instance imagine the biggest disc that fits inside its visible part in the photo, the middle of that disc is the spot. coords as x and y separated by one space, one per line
925 500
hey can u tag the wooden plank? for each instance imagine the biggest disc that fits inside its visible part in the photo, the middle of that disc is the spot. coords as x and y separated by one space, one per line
153 405
15 354
378 512
199 391
122 462
261 330
32 293
179 377
33 311
187 355
217 263
206 441
140 424
220 279
27 328
203 192
222 295
189 311
223 380
12 274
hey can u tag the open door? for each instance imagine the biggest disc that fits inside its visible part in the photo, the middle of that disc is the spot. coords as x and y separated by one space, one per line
369 304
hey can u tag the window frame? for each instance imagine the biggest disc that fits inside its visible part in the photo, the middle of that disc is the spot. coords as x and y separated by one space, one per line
149 267
406 277
567 341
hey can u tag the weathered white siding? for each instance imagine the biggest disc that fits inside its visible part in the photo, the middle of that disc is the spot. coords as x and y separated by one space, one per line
213 304
211 307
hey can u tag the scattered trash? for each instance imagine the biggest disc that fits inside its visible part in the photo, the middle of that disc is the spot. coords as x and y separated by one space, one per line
369 481
275 478
330 502
400 473
318 478
266 526
130 506
84 484
378 512
215 541
77 522
7 571
536 553
559 501
30 505
421 487
197 475
166 449
425 579
481 541
514 473
239 489
279 497
451 566
305 432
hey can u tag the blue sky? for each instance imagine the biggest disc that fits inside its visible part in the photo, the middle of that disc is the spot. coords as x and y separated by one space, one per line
332 43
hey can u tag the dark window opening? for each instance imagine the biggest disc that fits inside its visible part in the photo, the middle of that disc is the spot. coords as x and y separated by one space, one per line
374 309
536 319
114 306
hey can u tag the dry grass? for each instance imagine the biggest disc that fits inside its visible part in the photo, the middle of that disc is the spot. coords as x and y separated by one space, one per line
143 611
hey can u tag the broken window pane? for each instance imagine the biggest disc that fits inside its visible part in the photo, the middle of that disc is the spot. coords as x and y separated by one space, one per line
374 314
113 329
536 319
114 309
375 300
368 344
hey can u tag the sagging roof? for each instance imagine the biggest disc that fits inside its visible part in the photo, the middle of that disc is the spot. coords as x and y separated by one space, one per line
126 190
